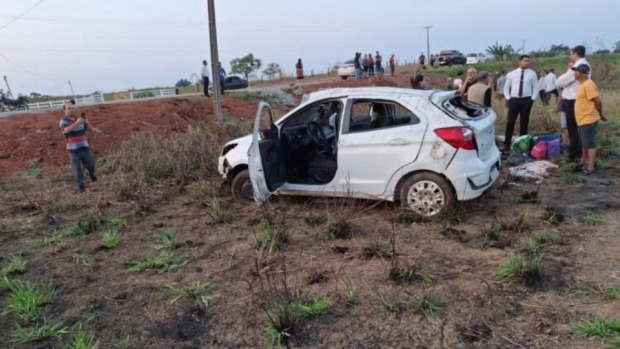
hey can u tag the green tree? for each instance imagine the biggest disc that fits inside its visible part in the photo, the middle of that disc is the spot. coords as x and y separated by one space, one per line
501 52
561 49
35 95
183 83
617 47
245 65
272 70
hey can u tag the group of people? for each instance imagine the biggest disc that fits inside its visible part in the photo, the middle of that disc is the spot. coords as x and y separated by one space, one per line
580 105
433 60
367 66
579 102
205 73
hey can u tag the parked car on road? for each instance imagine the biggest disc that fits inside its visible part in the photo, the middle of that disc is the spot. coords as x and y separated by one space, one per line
347 69
232 82
450 57
475 58
424 149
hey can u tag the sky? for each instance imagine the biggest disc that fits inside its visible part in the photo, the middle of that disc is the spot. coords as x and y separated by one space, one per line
116 45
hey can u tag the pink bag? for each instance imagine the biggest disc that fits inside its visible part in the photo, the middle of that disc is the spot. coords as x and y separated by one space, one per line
539 151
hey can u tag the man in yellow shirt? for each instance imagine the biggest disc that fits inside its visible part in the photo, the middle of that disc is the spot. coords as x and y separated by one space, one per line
588 111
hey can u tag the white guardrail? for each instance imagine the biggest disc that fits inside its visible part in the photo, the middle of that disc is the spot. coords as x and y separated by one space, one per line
98 98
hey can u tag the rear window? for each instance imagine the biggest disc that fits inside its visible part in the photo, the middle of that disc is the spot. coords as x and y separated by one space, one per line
472 110
446 52
471 55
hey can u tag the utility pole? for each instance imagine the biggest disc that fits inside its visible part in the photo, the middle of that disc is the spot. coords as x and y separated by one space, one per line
71 86
523 46
8 87
215 59
428 43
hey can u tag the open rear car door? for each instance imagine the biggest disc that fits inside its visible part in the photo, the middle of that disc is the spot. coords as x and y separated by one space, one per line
265 161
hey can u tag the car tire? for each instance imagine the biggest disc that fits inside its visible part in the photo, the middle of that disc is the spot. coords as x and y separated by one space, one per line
241 188
343 77
427 194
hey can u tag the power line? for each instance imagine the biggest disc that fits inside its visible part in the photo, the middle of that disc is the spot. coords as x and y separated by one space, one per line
26 70
22 15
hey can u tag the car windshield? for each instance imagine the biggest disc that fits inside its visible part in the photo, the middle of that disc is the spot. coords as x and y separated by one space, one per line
446 53
471 55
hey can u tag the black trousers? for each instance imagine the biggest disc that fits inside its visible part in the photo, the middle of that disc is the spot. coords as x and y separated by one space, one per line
568 107
517 107
205 83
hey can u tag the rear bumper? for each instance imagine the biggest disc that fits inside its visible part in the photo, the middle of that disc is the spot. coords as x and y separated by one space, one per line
476 176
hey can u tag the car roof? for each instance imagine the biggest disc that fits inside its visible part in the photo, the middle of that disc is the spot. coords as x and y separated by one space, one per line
377 92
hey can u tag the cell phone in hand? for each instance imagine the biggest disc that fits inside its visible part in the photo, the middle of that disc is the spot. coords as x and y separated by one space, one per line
83 116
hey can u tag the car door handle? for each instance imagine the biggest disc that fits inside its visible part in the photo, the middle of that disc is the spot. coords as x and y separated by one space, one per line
399 141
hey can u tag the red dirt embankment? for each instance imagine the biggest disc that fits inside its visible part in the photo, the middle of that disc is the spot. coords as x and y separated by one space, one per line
26 138
37 137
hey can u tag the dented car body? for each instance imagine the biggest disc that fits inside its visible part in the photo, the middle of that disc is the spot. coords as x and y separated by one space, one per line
424 149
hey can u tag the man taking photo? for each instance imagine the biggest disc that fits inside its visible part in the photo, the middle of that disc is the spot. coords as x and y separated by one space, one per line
74 131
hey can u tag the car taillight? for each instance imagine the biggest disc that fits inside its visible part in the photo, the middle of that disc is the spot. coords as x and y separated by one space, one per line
458 137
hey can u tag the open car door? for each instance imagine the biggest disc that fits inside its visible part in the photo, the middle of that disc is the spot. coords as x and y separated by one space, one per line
265 161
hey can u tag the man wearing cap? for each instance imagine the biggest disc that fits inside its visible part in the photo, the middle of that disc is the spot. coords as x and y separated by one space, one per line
520 91
481 92
570 86
588 111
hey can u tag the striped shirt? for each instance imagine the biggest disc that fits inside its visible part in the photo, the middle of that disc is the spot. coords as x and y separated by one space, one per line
75 139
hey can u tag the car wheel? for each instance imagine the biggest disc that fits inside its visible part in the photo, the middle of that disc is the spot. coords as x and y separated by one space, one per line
241 188
343 77
427 194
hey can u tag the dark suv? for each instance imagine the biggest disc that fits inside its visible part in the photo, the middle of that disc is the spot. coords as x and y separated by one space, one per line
450 57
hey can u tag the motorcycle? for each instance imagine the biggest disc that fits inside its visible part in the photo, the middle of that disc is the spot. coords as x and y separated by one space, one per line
21 103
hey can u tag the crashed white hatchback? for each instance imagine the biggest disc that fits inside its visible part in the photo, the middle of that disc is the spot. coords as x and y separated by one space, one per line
424 149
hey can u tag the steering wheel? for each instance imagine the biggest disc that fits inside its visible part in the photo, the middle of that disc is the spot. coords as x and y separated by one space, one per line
316 134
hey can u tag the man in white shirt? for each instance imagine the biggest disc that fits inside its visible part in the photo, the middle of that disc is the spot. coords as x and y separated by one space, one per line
520 91
205 77
570 87
550 87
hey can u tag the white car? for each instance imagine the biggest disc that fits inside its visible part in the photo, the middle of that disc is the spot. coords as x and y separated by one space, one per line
424 149
347 69
475 58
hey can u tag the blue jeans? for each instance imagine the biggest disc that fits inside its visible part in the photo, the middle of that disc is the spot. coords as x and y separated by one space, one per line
358 74
81 157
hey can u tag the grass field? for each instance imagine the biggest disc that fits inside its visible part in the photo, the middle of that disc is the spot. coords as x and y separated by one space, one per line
157 255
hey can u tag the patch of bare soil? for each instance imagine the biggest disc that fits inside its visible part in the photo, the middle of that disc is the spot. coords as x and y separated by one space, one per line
375 266
115 304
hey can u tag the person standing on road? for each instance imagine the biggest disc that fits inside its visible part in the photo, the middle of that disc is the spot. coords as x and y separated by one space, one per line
299 69
520 92
588 111
481 91
357 62
392 63
74 131
222 74
371 65
205 77
570 87
379 63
